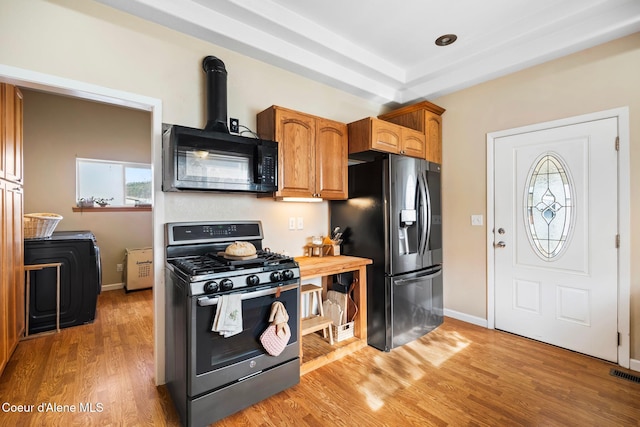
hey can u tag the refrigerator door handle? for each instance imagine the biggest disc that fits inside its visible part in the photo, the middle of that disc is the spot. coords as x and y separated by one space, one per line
429 274
430 211
426 214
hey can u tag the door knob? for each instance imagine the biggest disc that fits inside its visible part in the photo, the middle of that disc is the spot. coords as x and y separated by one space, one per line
500 244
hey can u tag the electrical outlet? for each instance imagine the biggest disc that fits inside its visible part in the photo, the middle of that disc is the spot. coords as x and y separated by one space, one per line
118 267
292 223
234 125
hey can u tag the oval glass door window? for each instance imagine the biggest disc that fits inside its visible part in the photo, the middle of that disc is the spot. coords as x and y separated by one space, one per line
549 206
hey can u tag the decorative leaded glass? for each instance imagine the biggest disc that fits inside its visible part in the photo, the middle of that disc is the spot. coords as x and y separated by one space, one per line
549 206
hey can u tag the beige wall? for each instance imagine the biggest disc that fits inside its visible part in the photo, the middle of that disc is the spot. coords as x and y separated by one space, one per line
593 80
58 129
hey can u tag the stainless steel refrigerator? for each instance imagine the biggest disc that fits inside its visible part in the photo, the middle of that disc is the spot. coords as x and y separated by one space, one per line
393 216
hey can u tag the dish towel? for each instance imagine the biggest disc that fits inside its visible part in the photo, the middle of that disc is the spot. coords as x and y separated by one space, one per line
228 319
276 337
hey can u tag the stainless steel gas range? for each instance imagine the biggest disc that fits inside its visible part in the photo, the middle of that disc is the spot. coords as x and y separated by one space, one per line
209 376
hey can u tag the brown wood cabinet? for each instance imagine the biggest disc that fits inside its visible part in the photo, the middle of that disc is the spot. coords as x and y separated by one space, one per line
14 264
12 308
379 135
4 293
426 118
11 144
312 153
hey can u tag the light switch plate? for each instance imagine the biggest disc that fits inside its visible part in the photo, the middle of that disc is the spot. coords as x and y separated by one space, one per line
476 220
300 223
292 223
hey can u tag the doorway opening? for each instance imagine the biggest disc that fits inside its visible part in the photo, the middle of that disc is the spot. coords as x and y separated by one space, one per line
75 89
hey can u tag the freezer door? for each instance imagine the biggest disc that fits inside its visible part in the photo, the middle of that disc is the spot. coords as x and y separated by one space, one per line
416 305
408 214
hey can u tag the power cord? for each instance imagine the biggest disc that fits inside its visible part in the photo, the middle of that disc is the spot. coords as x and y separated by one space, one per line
248 131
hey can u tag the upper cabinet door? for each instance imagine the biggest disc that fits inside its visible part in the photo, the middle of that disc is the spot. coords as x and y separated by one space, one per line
3 127
296 136
331 159
385 136
413 143
433 133
11 133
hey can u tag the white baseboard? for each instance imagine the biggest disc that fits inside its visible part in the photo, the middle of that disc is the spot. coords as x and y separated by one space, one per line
478 321
634 365
113 286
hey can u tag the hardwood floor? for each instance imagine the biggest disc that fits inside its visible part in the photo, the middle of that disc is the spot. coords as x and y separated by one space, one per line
457 375
108 364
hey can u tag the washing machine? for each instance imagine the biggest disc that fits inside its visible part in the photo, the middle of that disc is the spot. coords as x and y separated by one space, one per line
80 279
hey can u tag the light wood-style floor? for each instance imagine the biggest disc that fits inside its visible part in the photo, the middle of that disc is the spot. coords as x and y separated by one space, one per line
458 375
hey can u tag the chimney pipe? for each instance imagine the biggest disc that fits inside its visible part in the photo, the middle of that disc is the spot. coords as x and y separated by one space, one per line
216 94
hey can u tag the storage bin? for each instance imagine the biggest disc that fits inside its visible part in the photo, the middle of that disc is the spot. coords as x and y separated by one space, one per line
342 332
138 271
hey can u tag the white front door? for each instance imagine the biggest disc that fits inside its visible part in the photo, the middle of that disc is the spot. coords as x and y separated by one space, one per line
555 237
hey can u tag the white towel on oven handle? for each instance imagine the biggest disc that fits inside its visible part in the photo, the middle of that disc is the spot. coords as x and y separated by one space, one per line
228 318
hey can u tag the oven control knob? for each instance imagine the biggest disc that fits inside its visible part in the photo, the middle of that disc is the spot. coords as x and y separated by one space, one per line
226 284
276 276
253 280
210 287
287 274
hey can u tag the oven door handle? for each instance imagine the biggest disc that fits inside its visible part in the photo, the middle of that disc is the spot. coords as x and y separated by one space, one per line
207 301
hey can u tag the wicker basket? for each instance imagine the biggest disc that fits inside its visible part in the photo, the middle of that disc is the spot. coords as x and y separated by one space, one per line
343 332
40 225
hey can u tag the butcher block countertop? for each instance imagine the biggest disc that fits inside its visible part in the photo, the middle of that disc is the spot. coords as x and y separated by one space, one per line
315 351
311 267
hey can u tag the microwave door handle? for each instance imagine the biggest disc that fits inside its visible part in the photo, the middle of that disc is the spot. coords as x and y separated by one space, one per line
257 164
207 301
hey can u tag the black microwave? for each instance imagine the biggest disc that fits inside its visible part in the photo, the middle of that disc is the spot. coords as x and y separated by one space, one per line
200 160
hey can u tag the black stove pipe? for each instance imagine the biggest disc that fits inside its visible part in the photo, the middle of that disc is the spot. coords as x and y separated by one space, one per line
216 94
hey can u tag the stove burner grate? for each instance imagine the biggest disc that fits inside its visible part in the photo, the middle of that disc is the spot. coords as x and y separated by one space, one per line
200 265
213 263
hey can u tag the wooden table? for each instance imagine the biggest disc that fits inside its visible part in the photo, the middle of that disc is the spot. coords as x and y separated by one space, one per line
325 267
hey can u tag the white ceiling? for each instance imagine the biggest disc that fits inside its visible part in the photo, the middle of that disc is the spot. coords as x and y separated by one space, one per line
384 50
